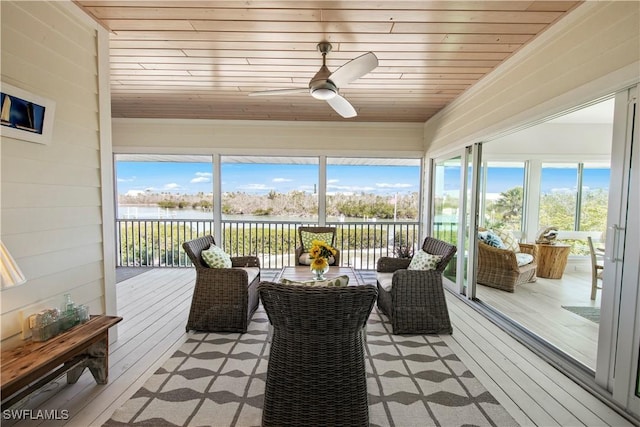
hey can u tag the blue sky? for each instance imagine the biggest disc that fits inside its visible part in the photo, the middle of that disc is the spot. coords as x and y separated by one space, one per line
553 179
261 178
252 178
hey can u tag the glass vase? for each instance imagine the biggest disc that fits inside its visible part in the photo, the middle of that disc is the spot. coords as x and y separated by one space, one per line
318 274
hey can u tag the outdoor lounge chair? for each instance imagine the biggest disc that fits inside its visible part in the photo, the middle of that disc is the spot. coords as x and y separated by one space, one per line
307 234
414 300
224 299
316 373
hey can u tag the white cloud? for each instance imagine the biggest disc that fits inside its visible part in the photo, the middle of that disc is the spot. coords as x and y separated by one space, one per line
332 181
281 180
388 185
133 178
200 179
171 186
349 188
255 187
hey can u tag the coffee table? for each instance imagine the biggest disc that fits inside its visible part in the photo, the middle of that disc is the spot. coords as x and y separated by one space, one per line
302 273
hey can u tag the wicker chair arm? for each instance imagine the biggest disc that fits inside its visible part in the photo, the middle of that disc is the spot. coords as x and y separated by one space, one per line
495 258
245 261
409 286
389 265
224 275
530 249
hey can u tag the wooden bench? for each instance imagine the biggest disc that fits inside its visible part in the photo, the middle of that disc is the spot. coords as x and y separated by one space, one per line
29 367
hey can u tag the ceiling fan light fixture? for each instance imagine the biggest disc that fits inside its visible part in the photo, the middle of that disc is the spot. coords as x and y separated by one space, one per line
321 88
323 93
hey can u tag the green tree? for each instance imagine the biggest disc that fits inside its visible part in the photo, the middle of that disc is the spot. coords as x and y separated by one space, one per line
508 209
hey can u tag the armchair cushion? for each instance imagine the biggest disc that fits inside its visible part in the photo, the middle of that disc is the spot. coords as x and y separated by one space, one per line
385 280
523 259
215 257
336 281
308 237
252 272
423 260
508 240
305 259
491 239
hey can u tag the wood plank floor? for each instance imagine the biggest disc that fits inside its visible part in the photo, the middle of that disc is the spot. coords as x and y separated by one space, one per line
538 307
155 306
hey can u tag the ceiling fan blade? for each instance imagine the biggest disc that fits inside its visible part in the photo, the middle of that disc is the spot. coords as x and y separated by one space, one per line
342 106
280 91
354 69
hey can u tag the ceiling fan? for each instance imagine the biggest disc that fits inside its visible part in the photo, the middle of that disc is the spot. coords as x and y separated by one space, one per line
325 84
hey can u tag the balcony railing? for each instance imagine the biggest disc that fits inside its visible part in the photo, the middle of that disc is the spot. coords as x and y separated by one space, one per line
158 242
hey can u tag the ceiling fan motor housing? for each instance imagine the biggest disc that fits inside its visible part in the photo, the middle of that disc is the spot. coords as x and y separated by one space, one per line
323 89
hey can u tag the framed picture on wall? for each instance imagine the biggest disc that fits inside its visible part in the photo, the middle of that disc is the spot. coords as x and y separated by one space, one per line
26 116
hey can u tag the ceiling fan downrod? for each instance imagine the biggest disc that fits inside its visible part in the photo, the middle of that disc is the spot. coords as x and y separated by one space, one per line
320 87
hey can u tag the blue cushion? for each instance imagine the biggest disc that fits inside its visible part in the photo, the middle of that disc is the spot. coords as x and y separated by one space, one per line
491 239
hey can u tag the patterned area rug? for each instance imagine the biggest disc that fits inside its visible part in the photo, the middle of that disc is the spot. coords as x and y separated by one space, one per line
589 313
217 379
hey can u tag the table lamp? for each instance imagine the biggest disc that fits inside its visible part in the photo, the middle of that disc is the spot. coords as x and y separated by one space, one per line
10 274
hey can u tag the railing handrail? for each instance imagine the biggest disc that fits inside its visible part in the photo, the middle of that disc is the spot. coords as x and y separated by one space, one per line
158 242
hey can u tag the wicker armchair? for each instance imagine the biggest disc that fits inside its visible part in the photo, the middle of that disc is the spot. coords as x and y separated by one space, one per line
223 298
498 268
300 247
415 304
316 373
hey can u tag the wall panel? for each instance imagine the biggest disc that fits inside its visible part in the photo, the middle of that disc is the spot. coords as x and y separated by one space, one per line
50 207
265 137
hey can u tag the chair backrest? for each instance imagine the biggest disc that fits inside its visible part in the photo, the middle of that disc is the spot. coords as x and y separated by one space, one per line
318 310
439 247
194 248
331 230
592 254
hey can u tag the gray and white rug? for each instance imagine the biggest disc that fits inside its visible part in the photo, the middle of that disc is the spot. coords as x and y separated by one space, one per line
588 312
217 379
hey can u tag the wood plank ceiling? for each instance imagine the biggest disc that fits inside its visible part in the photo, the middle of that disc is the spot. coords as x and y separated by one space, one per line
201 59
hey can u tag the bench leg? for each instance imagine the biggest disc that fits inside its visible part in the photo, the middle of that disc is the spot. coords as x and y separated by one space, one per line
74 374
98 361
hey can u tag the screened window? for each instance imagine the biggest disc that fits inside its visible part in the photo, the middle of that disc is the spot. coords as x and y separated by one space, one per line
157 187
362 189
503 195
269 188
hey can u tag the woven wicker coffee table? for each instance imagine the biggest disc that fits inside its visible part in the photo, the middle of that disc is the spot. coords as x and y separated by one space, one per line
302 273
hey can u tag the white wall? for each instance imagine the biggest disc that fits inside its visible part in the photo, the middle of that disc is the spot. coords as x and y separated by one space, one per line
267 137
590 53
577 142
51 218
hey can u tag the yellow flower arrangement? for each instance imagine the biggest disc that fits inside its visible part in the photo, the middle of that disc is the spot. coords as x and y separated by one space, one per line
320 252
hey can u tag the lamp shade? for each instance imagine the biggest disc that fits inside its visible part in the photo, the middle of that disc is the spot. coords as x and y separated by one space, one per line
10 272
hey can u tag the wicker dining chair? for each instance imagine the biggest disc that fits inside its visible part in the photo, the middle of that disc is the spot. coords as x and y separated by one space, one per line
224 299
320 231
316 373
415 304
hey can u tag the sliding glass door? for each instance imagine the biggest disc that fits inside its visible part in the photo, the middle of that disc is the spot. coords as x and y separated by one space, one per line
619 340
582 159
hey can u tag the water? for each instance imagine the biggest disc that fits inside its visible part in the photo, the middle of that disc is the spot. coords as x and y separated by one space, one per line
154 212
